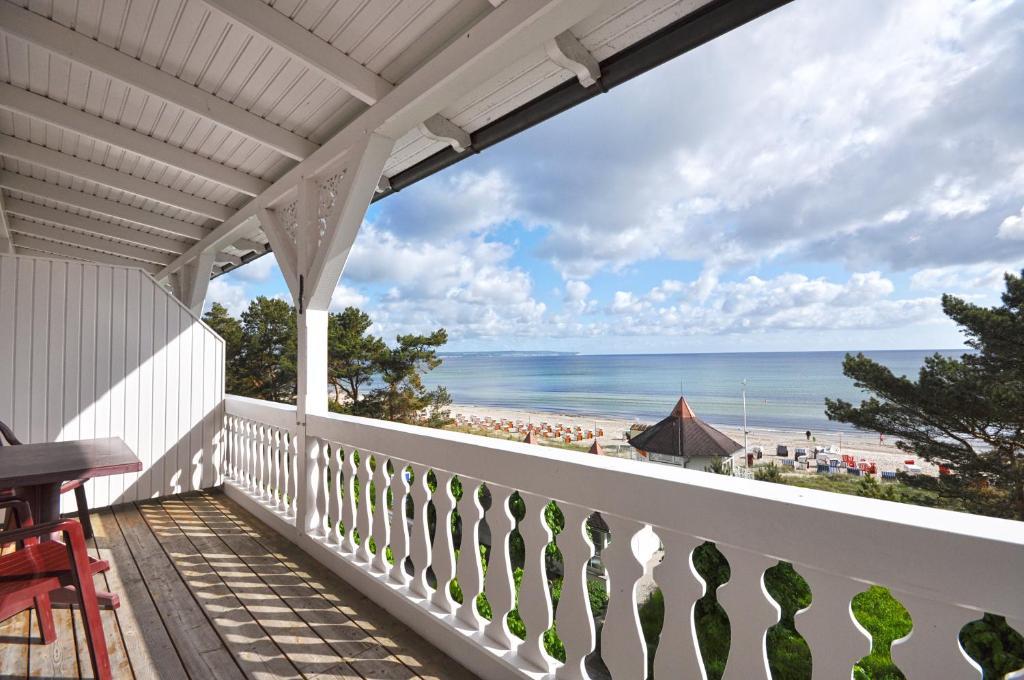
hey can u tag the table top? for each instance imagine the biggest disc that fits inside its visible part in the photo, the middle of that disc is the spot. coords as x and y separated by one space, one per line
56 462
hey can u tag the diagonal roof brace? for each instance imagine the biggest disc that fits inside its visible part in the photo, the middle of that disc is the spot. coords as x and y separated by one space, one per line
567 51
439 128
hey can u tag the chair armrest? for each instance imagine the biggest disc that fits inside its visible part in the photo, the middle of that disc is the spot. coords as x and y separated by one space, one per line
22 510
71 529
69 486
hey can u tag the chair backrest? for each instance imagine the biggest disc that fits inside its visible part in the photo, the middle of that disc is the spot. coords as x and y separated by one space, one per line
8 435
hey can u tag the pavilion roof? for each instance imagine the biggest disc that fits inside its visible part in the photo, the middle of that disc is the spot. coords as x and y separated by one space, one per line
684 434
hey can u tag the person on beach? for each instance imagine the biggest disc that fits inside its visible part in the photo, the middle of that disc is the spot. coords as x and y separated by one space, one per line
808 435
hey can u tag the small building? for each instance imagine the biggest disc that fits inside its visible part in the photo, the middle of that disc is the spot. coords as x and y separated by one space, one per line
684 439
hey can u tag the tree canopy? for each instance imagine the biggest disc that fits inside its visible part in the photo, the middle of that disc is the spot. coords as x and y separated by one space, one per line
964 413
368 377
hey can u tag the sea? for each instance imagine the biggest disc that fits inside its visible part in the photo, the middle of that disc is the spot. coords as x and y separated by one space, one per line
784 390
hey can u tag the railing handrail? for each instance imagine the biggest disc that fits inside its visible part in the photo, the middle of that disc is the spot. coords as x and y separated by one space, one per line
972 561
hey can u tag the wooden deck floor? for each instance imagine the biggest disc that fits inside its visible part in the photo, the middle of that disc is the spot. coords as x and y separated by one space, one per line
208 591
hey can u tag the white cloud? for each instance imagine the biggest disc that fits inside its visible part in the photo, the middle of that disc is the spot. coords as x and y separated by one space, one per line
343 297
258 270
1012 228
231 295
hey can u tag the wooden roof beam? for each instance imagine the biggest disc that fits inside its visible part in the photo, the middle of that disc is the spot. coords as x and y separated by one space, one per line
101 174
103 206
81 49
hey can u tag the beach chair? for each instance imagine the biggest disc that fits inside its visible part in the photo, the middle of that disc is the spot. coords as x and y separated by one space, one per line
855 471
889 475
788 462
823 469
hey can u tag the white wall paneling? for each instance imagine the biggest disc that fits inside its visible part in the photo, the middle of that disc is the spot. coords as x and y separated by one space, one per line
92 350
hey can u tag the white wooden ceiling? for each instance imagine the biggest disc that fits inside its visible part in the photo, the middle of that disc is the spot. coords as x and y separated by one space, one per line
131 129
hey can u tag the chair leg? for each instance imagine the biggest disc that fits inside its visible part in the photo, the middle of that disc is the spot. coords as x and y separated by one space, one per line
94 637
44 612
83 512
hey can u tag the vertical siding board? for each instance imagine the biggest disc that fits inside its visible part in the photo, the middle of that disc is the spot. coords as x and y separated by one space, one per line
72 354
147 384
40 345
8 297
118 353
198 442
57 313
87 373
21 416
103 359
173 378
184 403
161 388
135 438
96 350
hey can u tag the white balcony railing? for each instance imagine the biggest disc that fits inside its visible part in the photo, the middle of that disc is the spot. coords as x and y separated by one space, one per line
946 568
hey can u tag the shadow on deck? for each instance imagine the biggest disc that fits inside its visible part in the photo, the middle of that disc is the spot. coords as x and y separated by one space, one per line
209 591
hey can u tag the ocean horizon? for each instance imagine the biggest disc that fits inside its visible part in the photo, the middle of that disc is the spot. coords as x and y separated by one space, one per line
785 390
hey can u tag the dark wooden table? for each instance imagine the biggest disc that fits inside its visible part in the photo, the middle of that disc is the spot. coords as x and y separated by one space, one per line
37 471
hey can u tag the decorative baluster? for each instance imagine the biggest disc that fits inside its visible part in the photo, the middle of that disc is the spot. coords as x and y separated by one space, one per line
312 522
420 548
500 587
323 488
334 496
469 571
230 458
381 515
250 456
293 475
348 501
247 444
679 655
574 617
622 641
399 524
534 598
276 497
836 640
264 455
364 518
751 613
443 557
283 498
932 650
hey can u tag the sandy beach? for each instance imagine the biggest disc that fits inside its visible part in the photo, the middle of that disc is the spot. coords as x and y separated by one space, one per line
858 444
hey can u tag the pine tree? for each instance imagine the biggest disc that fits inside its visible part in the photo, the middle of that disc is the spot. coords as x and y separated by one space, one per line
227 327
965 413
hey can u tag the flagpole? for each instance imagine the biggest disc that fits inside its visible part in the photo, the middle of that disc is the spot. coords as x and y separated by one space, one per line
744 390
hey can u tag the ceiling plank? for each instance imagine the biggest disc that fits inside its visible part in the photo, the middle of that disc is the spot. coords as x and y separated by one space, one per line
84 240
69 118
52 215
81 49
305 46
30 245
101 174
502 36
104 206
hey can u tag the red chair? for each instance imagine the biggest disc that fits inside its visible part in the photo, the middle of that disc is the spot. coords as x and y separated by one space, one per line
36 568
76 485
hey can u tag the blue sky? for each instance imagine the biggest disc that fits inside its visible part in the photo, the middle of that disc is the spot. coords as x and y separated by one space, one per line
814 180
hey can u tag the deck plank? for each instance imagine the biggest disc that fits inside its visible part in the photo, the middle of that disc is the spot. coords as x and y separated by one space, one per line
393 637
151 653
248 642
199 647
56 660
352 645
208 591
14 633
